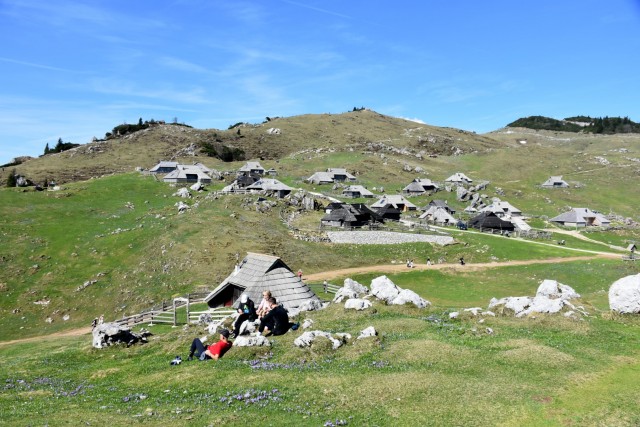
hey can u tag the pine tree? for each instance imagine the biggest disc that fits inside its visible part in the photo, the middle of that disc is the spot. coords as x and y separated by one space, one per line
12 179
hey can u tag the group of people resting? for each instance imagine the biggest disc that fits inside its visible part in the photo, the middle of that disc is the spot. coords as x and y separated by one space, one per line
274 320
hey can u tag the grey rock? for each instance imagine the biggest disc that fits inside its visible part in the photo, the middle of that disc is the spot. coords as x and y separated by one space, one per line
357 304
367 332
112 333
307 339
251 341
624 295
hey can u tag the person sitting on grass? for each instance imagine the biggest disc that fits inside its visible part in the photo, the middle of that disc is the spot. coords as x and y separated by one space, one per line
247 310
276 321
214 351
264 306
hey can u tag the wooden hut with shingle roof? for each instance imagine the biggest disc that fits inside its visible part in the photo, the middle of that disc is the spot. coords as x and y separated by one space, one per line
258 273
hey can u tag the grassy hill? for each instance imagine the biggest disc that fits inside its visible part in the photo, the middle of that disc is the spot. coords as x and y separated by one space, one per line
348 132
112 242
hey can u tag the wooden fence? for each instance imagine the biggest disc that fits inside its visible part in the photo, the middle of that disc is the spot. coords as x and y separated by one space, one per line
167 312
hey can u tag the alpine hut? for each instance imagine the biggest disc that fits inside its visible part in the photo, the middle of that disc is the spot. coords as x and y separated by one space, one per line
581 217
258 273
555 182
489 221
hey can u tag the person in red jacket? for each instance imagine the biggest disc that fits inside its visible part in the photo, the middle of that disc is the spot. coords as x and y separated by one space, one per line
214 351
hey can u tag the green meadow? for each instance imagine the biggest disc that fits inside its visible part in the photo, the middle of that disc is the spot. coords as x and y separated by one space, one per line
115 245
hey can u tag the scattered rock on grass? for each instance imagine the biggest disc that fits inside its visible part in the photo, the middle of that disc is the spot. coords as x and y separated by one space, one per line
357 304
624 295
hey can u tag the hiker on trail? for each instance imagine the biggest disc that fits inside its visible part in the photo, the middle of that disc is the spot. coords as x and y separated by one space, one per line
300 274
276 322
214 351
264 306
247 310
428 261
461 260
325 285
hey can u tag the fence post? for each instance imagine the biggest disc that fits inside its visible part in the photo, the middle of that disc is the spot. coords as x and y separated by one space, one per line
188 300
175 314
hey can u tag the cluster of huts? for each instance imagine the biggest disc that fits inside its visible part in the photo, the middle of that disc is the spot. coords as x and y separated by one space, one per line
498 215
250 178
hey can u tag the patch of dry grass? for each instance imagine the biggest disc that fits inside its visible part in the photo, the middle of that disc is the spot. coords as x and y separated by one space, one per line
524 351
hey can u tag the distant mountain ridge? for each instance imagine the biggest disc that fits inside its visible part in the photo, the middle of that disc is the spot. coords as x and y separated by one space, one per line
585 124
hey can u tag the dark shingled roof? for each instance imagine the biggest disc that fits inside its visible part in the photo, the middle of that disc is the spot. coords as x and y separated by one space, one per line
490 220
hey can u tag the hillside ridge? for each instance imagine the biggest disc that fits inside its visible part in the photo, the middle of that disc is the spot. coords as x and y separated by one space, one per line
273 139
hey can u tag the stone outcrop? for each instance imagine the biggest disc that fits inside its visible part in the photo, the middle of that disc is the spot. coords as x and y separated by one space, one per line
251 341
107 334
357 304
551 297
384 289
624 295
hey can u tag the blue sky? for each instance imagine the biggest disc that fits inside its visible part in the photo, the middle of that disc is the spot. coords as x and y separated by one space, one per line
75 69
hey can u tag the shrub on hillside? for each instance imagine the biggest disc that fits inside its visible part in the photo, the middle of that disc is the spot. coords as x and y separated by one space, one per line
60 147
220 151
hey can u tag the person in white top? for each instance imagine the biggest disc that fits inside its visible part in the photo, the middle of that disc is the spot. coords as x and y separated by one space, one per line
264 306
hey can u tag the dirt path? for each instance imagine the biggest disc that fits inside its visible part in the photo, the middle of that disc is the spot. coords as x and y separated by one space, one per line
400 268
384 268
70 333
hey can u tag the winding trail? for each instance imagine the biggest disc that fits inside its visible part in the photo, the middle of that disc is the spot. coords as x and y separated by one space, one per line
400 268
383 268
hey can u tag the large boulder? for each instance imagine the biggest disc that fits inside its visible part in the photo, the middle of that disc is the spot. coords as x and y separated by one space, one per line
106 334
344 293
311 305
384 289
355 286
357 304
551 297
515 304
182 192
367 332
408 296
624 295
251 341
198 186
554 289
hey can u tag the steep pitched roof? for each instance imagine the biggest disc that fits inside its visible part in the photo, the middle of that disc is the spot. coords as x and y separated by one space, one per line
269 184
258 273
555 181
426 183
502 208
459 177
439 215
414 187
164 165
350 213
358 189
490 220
181 172
581 216
393 200
249 166
321 178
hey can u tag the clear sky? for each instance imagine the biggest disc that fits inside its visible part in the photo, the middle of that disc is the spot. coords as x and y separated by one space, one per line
75 69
